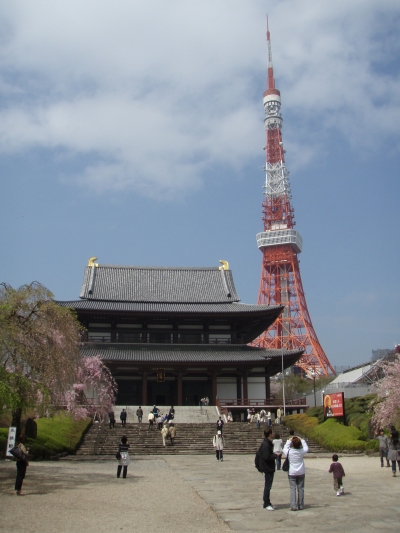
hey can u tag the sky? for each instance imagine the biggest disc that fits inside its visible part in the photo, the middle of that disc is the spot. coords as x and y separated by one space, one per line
133 132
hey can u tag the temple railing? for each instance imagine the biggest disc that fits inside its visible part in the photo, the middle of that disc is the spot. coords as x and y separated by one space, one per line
247 402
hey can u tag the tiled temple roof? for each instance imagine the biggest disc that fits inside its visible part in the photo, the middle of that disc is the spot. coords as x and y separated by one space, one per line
181 353
158 285
178 307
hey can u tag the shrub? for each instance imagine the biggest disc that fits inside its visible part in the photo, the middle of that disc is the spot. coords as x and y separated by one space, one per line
334 436
3 441
316 412
331 434
302 424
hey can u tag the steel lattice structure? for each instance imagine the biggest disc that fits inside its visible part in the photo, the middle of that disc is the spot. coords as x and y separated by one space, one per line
280 244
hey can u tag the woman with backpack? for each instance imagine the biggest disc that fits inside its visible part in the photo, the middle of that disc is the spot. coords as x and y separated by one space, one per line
123 460
21 465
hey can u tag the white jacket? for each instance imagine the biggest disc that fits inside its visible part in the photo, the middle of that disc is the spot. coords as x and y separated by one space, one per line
218 442
296 458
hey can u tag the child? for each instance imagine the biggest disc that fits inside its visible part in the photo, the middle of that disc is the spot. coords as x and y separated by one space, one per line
338 474
277 442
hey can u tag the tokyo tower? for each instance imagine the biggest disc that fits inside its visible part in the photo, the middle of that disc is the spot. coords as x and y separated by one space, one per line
280 245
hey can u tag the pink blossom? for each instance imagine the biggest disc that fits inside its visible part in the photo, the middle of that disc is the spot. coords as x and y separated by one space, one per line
386 407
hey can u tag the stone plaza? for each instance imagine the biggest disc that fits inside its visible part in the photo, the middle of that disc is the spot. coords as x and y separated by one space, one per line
192 493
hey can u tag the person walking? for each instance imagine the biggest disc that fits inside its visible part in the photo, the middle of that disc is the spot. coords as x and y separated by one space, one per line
277 443
267 466
220 424
164 434
172 433
151 420
122 417
21 465
269 419
218 443
295 449
394 449
139 414
123 461
171 413
111 418
383 447
338 475
159 421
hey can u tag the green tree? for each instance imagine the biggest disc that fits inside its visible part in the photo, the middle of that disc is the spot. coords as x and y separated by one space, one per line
39 349
295 385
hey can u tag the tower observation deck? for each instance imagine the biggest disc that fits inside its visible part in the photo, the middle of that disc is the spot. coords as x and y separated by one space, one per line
280 244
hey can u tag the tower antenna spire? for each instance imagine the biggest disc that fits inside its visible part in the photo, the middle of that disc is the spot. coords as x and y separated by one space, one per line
271 81
280 244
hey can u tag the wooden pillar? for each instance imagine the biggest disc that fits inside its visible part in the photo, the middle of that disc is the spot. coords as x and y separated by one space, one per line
267 387
180 391
214 388
245 387
239 388
144 388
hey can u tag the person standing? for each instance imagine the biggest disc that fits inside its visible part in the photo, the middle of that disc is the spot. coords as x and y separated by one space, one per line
269 419
218 443
21 465
122 417
220 424
278 415
123 461
338 475
295 449
277 442
394 449
172 433
111 418
267 466
139 414
383 447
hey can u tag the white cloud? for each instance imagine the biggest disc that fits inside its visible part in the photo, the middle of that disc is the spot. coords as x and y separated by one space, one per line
159 94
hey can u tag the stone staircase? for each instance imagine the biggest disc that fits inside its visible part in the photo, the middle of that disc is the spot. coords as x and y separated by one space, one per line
183 414
191 439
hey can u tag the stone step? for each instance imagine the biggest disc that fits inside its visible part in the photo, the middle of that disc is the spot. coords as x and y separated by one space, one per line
191 438
183 414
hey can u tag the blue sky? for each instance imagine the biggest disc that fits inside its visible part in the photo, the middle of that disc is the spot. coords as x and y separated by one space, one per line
133 131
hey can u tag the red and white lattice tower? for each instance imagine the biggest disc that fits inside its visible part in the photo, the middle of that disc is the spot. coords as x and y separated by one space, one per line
280 244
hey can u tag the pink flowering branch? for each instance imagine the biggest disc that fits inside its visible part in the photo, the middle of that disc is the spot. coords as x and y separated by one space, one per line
386 406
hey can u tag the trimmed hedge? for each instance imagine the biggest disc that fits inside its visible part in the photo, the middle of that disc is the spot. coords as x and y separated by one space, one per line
58 434
331 434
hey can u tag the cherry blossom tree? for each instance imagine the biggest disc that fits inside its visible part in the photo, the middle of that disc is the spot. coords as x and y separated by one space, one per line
95 389
386 407
39 344
41 365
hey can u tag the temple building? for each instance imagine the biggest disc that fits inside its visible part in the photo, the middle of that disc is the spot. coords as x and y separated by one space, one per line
176 335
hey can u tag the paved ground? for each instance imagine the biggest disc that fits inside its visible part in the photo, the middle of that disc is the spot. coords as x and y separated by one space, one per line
195 494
